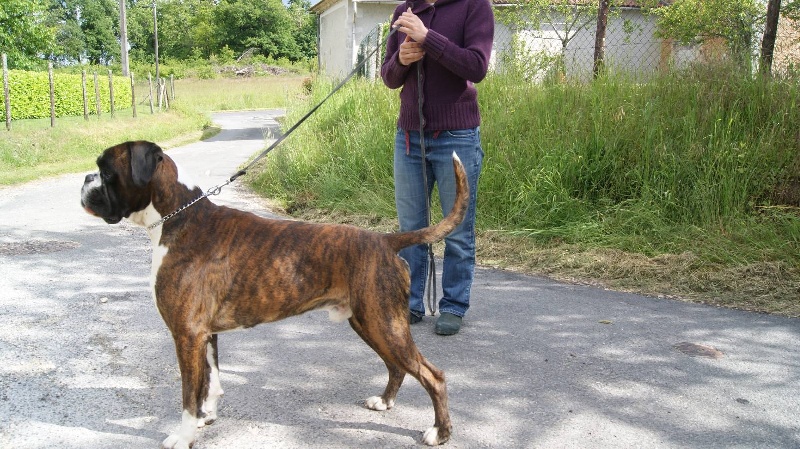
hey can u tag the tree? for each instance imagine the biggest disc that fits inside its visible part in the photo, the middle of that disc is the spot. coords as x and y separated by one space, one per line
697 21
565 18
262 24
770 34
25 35
306 25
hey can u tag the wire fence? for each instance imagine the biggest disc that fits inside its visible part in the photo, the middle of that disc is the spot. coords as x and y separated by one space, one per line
631 47
26 95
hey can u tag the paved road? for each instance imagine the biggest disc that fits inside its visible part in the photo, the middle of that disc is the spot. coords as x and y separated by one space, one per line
85 361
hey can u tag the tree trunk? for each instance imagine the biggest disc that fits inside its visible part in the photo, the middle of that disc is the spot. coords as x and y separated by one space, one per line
600 37
770 34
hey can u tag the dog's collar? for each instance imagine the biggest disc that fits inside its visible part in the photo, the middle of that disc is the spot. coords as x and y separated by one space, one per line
212 191
176 212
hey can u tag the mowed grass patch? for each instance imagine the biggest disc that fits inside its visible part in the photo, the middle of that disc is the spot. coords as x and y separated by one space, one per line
32 149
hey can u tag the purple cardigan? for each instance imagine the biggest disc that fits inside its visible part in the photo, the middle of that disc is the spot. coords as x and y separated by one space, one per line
457 51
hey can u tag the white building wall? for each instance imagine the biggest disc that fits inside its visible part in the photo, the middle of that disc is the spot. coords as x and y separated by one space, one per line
334 51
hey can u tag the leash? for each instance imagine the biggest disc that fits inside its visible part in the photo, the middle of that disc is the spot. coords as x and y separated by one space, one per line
431 284
218 188
309 113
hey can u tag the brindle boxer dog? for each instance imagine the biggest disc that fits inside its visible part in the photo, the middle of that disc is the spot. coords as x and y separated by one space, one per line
216 269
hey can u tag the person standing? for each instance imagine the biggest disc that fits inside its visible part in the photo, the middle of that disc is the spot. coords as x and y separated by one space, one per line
451 42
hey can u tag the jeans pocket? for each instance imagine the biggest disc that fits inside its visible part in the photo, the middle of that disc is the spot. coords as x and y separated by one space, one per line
460 133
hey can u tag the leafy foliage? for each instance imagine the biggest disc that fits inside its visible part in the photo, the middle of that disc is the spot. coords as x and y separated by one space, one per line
732 21
24 35
30 94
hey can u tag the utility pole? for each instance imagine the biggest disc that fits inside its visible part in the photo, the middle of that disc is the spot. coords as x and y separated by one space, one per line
155 41
123 37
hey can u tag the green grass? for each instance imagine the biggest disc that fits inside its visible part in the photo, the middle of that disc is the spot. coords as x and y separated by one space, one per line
676 179
32 149
686 186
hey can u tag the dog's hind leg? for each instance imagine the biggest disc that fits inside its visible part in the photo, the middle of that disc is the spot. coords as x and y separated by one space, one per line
396 347
396 376
212 389
191 348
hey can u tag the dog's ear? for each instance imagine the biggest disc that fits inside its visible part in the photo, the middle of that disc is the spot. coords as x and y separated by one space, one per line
145 156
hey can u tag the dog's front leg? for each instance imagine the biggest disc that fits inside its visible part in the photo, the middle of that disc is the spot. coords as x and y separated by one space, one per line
191 348
212 389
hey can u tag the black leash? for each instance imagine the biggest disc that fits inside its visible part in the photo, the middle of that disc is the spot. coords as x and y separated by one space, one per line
431 284
216 190
309 113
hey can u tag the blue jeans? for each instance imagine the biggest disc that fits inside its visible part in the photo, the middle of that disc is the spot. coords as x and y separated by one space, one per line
410 198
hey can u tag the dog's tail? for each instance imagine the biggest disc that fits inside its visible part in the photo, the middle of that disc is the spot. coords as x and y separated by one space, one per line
440 230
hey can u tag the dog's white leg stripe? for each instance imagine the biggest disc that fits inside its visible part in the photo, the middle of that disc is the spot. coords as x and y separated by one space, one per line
184 438
214 390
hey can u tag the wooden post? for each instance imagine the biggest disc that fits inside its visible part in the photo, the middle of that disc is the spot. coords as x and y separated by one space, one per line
52 95
172 87
166 92
97 96
133 96
111 91
150 83
85 97
6 93
159 88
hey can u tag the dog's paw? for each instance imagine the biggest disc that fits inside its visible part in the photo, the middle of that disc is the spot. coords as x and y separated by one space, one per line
433 437
377 403
176 441
207 420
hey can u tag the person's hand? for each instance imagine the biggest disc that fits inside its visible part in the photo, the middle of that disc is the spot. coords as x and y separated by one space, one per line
412 26
410 52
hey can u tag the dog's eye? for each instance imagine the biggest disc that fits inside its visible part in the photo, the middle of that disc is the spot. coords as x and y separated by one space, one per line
106 176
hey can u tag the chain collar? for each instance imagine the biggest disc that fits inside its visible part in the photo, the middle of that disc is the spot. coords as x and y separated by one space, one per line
212 191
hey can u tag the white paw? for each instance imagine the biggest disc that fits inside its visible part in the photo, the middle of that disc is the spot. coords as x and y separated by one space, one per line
184 437
207 420
431 436
377 403
176 441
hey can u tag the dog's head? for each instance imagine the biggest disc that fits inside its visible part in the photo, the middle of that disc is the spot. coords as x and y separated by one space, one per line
122 184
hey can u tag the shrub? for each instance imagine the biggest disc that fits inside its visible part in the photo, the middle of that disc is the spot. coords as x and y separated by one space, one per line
30 94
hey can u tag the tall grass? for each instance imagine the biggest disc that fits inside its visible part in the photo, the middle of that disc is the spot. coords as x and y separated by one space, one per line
685 159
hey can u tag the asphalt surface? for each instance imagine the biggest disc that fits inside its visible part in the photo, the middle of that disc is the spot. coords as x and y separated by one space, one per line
86 362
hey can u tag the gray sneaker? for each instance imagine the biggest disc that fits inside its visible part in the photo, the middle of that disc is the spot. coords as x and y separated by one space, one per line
448 324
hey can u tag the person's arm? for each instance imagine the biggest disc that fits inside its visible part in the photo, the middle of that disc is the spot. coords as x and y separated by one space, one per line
472 61
393 73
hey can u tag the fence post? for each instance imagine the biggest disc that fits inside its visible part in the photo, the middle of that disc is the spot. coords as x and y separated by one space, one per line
85 97
172 86
52 95
133 96
150 83
159 88
5 93
97 96
111 91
